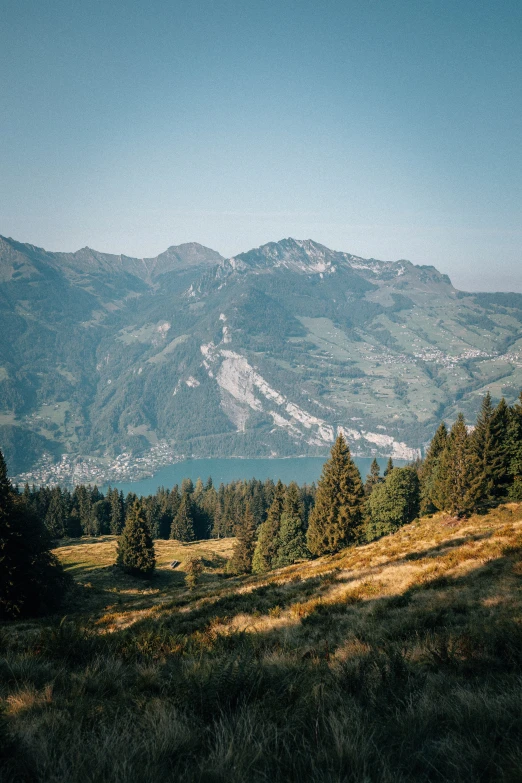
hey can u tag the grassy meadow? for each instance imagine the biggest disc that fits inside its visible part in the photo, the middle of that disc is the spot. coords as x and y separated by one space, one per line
394 662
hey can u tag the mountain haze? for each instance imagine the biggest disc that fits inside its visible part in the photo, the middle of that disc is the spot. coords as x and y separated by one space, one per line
270 352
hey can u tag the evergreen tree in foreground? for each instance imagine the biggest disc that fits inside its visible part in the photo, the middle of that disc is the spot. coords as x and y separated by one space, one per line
32 581
241 560
459 479
336 518
135 546
499 458
266 546
393 503
515 451
431 501
291 544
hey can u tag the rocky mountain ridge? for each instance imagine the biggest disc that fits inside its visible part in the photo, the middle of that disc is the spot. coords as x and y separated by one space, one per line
270 352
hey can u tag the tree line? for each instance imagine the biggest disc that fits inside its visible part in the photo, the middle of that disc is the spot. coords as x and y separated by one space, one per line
466 469
189 512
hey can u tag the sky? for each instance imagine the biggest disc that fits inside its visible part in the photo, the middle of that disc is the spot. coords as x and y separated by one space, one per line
385 128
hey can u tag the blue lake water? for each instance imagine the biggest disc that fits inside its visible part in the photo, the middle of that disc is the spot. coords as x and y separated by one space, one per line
303 470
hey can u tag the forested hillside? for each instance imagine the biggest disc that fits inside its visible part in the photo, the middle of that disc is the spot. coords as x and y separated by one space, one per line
273 352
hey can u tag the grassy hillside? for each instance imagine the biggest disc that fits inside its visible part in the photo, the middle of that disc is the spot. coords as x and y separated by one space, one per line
396 661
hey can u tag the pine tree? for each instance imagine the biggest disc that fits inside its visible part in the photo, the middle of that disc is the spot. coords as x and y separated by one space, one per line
393 503
117 516
135 546
290 545
32 581
57 514
373 478
482 443
458 480
499 460
389 467
266 546
241 560
337 516
82 500
183 523
515 450
430 501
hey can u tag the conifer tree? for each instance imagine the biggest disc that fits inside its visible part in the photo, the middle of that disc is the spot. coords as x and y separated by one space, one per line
266 546
173 501
373 478
430 501
32 581
183 523
241 560
291 545
291 542
482 444
117 515
389 467
100 516
135 552
459 476
57 514
193 570
498 469
393 503
515 450
337 516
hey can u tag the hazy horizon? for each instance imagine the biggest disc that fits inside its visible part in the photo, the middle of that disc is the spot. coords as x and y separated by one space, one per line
384 130
492 288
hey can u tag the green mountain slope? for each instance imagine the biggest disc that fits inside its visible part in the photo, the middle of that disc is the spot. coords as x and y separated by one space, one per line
270 352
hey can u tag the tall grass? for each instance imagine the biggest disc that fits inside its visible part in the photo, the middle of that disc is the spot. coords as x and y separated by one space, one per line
373 666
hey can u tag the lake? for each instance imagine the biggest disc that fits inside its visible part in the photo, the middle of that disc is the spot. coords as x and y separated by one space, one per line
303 470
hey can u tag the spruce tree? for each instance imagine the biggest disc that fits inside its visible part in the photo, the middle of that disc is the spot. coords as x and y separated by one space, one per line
337 516
459 477
373 478
393 503
290 544
430 501
499 460
183 523
515 450
266 546
241 560
32 581
135 552
117 517
482 445
57 514
389 467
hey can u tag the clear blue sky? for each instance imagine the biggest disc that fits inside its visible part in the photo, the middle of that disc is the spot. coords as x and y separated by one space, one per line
387 128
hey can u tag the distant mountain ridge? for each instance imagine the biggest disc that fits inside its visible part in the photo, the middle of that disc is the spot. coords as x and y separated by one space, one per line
270 352
89 261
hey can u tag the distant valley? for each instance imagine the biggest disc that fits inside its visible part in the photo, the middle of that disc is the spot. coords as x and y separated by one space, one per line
112 366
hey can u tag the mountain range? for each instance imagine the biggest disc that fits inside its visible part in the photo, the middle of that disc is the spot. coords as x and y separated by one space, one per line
272 352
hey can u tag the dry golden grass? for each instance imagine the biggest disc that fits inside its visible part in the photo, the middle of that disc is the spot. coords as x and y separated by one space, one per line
398 661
